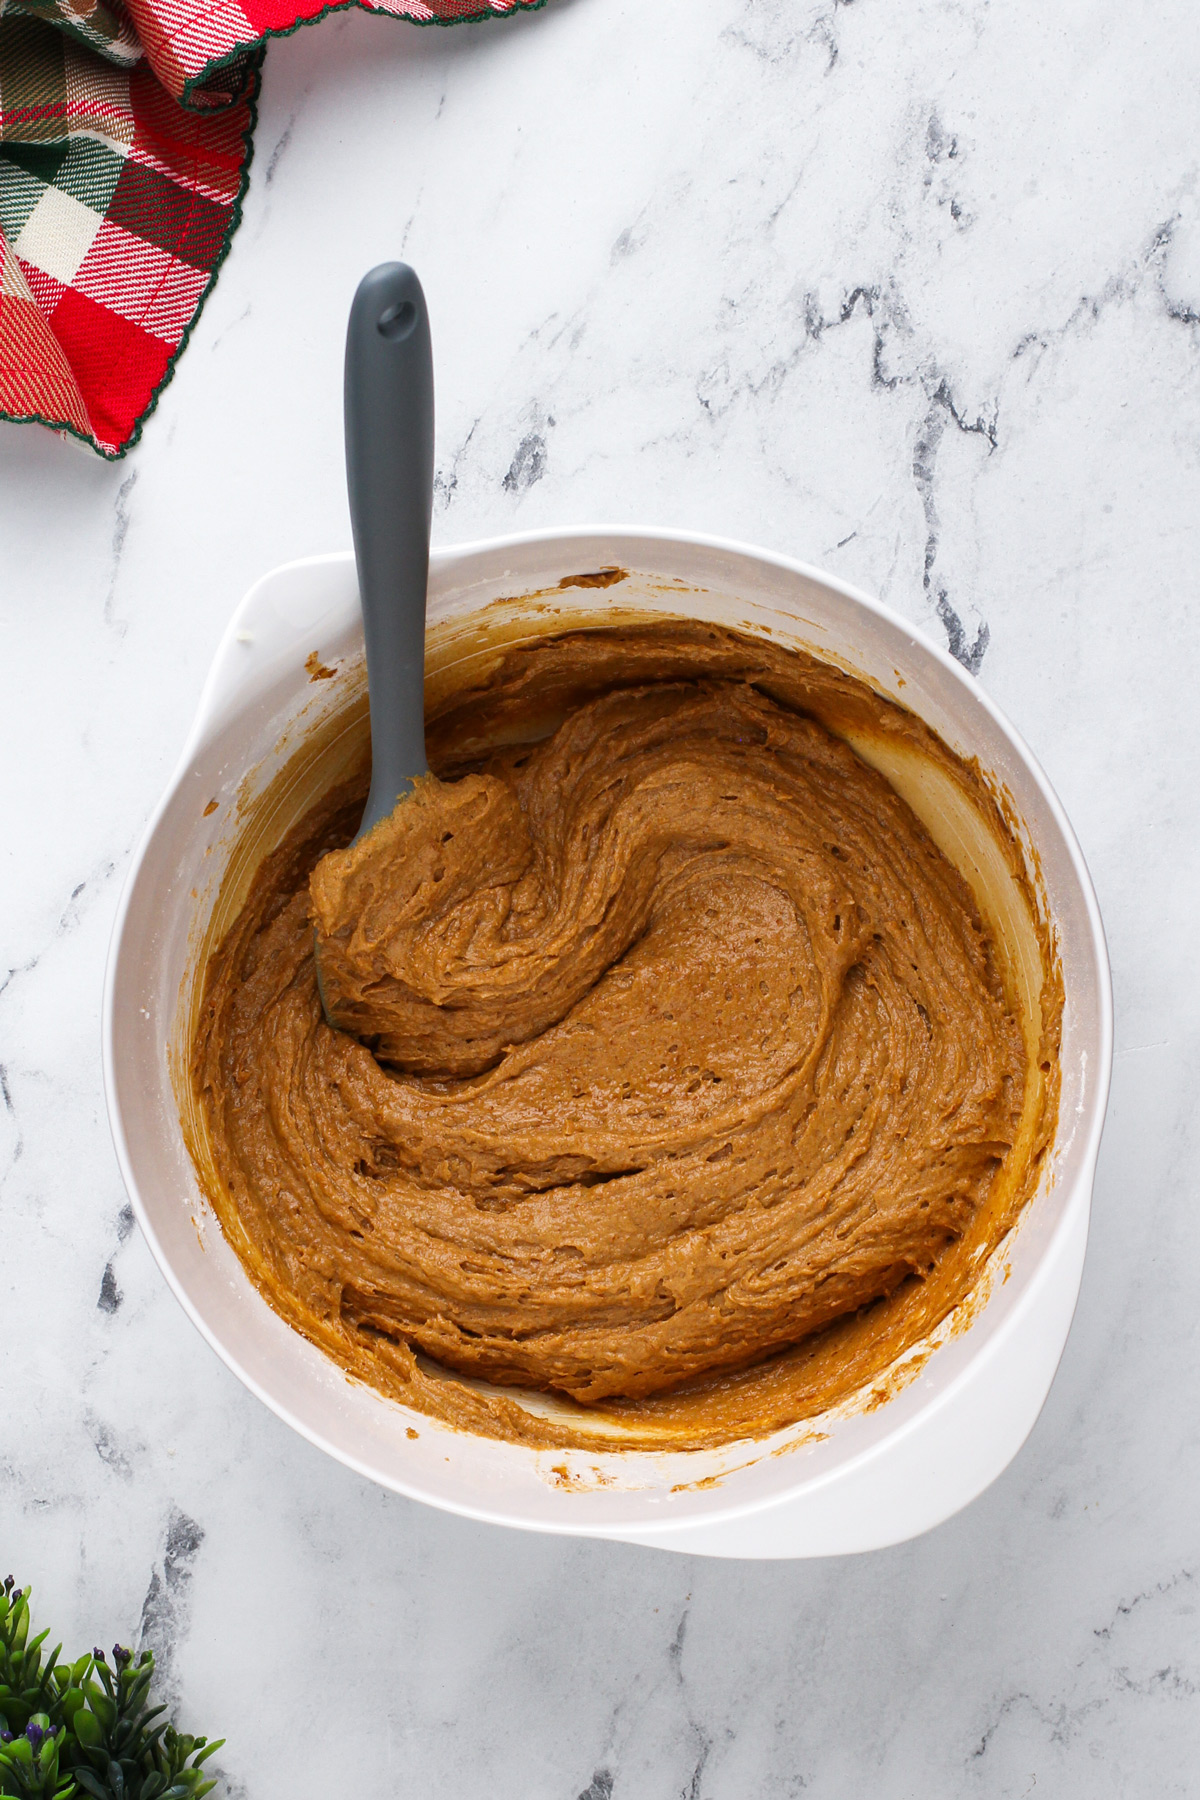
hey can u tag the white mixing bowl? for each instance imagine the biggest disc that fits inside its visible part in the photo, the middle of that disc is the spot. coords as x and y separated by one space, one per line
866 1476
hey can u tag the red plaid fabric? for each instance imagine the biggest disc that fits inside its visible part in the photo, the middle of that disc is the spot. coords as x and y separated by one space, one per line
125 142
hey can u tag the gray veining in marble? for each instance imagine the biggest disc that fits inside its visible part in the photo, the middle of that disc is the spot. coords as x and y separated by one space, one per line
911 291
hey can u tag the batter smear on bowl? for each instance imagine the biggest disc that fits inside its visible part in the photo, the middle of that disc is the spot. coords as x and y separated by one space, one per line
683 1060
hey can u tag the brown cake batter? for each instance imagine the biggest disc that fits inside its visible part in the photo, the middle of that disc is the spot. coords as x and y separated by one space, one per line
685 1042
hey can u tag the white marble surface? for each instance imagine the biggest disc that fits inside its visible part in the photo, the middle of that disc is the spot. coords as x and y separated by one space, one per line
909 290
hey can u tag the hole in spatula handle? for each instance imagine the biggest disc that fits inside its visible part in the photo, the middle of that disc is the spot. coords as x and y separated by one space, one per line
397 321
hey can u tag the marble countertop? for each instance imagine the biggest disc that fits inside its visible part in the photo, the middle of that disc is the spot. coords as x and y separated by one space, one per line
911 292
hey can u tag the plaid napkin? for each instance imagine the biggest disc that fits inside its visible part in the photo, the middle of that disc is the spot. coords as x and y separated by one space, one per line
125 142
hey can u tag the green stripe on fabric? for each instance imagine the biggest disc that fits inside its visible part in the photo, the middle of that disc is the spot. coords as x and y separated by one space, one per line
19 194
42 161
90 173
33 83
95 25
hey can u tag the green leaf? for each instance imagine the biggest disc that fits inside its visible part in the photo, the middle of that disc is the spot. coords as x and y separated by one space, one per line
87 1727
101 1705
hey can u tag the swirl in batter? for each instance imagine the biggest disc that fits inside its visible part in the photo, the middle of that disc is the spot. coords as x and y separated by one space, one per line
680 1042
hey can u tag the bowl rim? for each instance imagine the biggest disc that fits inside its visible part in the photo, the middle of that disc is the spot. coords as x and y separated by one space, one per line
217 688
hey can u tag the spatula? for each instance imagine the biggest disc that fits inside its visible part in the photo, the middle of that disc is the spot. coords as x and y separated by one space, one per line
389 475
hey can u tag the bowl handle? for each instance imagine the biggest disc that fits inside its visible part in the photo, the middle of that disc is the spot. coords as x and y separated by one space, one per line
290 612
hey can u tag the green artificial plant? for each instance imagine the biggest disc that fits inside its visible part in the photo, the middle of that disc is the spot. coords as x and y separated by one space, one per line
86 1728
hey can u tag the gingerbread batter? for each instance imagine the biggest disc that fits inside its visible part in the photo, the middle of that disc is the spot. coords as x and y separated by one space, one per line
681 1042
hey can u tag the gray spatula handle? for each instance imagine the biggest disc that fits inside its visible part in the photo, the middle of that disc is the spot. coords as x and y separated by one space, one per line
389 473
